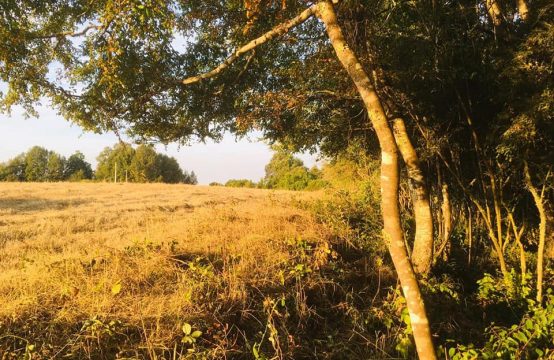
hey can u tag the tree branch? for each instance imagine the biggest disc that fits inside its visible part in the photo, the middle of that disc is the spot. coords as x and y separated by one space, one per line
275 32
69 33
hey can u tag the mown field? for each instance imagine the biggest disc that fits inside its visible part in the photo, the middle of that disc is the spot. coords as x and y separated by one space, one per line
150 271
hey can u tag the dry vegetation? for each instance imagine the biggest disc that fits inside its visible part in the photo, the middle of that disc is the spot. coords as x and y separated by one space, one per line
140 261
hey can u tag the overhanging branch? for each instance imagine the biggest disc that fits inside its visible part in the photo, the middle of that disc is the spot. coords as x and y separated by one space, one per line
68 33
275 32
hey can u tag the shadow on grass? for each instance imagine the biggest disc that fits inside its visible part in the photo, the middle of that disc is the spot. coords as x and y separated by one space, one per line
30 204
341 309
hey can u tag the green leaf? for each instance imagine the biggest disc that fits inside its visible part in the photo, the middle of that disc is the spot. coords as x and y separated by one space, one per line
187 329
196 334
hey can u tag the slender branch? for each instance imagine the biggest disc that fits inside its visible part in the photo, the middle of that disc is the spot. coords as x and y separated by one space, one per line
68 33
334 94
273 33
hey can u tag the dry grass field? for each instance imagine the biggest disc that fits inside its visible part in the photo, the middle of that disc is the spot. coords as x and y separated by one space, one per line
115 270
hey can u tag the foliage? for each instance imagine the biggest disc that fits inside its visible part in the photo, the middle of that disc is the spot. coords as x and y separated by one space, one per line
353 170
36 164
77 168
120 157
14 169
284 171
39 164
240 183
513 289
529 338
144 166
189 336
141 165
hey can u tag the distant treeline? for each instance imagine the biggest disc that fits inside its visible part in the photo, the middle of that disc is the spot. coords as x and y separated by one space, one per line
119 163
284 171
142 164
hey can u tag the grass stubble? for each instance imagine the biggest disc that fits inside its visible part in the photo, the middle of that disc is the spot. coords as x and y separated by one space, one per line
103 270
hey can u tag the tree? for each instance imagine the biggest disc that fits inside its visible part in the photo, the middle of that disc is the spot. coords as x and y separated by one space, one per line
39 164
284 171
115 163
422 254
144 84
14 169
190 178
171 172
145 165
472 82
55 167
77 168
142 164
36 164
240 183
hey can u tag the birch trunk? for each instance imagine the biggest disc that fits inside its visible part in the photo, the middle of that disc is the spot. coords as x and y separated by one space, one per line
392 231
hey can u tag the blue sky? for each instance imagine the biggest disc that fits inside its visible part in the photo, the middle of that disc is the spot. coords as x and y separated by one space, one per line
228 159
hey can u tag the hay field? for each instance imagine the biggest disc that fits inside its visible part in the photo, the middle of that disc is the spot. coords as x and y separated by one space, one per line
115 270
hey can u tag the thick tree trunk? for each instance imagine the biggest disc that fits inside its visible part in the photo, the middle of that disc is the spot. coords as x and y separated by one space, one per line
392 231
422 253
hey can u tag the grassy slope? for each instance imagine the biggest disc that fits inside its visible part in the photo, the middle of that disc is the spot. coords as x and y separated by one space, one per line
146 258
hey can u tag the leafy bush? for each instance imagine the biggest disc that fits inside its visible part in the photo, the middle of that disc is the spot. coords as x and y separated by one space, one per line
287 172
244 183
529 338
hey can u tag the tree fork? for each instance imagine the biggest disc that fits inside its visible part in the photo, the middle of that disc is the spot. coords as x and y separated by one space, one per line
422 253
392 231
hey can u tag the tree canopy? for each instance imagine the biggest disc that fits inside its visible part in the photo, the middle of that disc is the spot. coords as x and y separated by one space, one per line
285 171
39 164
143 164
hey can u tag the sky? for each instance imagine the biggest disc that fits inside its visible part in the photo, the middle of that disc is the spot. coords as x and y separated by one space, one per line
229 159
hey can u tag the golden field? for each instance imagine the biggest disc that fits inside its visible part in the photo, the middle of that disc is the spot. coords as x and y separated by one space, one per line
91 270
